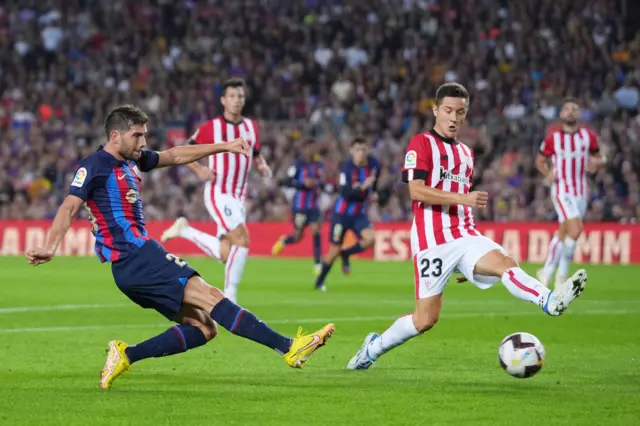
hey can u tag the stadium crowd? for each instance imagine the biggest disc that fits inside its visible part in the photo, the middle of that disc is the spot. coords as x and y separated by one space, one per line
322 69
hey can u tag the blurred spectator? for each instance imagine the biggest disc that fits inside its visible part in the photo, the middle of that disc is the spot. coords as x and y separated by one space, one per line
325 69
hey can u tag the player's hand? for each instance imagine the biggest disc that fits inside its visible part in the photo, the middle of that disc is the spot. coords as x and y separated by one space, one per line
239 146
593 166
204 174
549 178
368 182
38 256
310 183
476 199
264 169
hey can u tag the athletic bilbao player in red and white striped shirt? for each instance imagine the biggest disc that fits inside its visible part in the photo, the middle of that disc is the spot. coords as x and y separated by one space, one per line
444 240
226 186
566 156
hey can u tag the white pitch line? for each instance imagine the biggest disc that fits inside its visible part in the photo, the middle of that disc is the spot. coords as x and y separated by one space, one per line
314 320
60 308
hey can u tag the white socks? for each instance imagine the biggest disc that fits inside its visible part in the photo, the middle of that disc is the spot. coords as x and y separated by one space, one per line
207 243
567 256
233 271
399 332
524 286
556 249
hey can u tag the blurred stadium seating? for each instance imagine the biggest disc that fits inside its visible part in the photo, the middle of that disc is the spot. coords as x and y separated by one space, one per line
324 69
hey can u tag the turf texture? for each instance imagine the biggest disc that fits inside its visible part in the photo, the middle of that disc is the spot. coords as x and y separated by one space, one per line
55 321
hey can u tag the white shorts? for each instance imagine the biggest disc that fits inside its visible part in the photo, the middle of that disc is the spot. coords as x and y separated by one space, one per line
433 267
568 206
227 211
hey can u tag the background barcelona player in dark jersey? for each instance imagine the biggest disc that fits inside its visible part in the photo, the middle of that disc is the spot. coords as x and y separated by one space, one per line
306 176
108 183
357 183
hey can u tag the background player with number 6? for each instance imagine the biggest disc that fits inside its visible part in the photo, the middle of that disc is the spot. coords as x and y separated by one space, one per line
444 239
573 152
226 186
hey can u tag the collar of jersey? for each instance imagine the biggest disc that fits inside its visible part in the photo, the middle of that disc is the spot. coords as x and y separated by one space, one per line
443 139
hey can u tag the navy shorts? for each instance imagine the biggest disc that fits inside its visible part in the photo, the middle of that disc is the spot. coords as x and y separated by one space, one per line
341 223
153 278
303 218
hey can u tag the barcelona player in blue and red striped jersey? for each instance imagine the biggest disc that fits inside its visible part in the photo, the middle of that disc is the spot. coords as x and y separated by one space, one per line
108 183
357 184
306 175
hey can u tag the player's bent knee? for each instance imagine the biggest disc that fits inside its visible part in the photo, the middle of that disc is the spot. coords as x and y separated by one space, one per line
425 322
209 328
574 229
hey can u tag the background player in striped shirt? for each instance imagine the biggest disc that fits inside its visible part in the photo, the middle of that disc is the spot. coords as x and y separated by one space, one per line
444 239
565 158
108 183
226 187
357 184
306 175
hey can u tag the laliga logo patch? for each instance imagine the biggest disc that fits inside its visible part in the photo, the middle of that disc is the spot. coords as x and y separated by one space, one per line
81 176
411 160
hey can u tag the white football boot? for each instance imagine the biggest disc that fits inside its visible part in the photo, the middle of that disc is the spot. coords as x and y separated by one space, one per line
174 230
362 360
559 299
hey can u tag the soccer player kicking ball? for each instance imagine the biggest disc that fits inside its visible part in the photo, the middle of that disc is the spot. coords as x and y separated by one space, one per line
444 239
108 183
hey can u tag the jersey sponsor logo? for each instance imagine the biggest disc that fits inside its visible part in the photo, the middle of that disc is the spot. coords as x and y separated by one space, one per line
136 170
411 160
81 176
447 175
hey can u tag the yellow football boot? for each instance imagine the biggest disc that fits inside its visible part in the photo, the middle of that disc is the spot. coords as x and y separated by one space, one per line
317 269
278 246
117 363
306 344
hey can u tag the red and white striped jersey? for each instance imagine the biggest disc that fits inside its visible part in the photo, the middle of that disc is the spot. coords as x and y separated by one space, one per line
570 154
231 170
447 165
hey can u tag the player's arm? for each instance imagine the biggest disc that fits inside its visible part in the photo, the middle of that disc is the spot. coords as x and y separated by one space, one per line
419 173
350 191
543 163
596 160
179 155
62 221
292 180
202 136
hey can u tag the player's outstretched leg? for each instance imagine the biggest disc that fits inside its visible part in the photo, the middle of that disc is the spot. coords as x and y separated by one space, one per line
241 322
554 253
209 244
523 286
195 330
403 329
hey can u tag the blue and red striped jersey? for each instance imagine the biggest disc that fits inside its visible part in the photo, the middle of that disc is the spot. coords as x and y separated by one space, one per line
306 198
352 201
110 189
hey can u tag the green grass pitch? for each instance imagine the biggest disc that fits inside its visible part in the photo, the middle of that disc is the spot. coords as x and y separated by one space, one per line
55 321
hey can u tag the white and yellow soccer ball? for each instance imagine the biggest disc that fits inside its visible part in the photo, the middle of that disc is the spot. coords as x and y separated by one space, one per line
521 355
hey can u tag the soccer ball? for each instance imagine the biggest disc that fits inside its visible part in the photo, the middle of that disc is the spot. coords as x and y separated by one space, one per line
521 355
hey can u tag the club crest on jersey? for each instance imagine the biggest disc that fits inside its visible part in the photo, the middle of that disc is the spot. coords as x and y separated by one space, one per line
81 176
132 196
447 175
411 160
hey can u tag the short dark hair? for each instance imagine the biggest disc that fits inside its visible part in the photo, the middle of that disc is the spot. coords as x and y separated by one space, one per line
122 117
358 140
451 90
570 100
233 82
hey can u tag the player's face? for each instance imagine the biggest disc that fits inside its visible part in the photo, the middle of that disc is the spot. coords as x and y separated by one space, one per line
308 152
450 116
133 141
569 113
359 153
233 100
